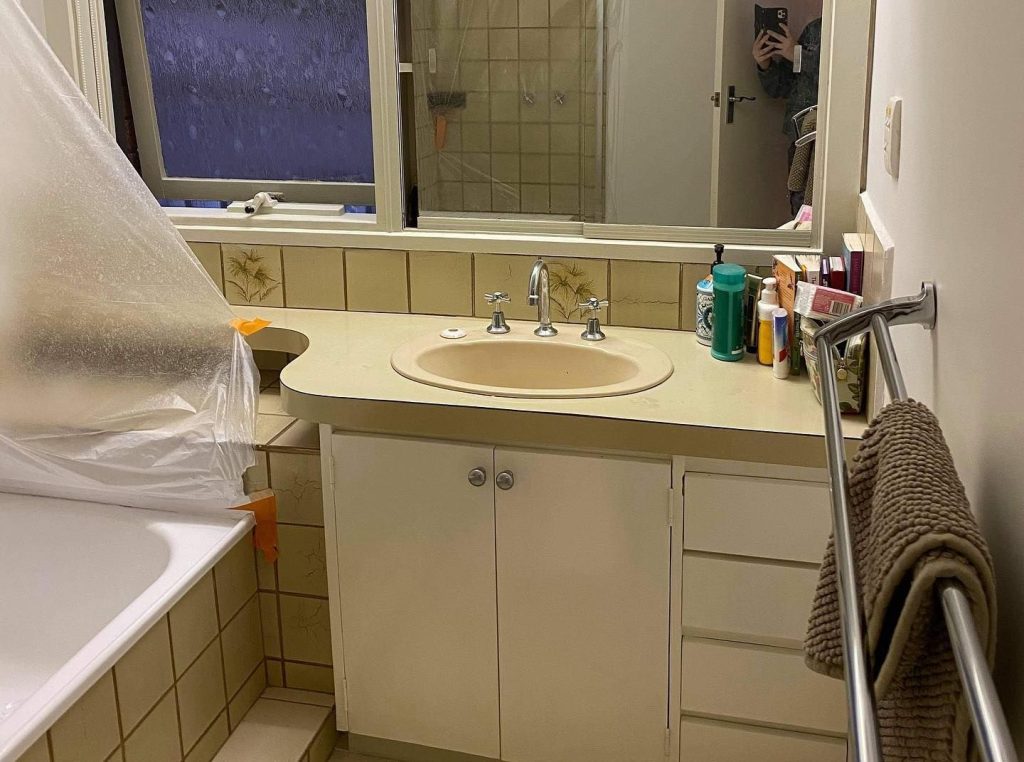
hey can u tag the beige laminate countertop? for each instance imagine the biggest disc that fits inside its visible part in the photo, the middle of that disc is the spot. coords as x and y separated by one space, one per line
707 408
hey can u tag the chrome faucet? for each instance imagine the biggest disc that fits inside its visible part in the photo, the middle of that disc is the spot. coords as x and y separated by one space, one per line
540 295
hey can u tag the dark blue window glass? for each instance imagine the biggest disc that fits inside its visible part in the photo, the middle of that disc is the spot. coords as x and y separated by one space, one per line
261 89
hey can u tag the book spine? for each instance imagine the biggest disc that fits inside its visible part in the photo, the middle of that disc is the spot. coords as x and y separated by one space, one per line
856 269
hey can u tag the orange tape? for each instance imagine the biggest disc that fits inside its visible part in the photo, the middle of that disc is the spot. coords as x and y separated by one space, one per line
264 508
249 327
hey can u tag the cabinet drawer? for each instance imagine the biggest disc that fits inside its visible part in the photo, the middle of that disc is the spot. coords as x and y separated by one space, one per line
760 684
710 741
736 598
767 518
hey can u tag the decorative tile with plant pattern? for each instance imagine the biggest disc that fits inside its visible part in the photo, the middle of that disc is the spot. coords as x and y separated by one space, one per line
570 286
252 275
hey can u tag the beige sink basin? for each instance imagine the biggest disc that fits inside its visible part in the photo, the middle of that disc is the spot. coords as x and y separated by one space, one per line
520 364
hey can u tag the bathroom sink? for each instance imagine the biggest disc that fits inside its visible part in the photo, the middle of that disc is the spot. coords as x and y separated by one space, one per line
520 364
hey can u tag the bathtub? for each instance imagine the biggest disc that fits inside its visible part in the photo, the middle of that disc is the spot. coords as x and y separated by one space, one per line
79 584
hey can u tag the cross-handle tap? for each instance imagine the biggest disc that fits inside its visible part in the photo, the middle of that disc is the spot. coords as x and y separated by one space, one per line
593 330
498 324
540 295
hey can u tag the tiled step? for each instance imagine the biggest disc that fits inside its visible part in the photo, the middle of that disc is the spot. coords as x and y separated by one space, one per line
284 726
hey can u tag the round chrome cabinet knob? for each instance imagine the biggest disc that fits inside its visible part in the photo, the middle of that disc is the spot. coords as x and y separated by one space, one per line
505 480
477 477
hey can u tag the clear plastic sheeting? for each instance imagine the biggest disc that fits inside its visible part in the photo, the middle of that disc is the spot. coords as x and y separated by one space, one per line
122 378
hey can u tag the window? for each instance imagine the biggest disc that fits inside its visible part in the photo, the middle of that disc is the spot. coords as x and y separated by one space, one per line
232 97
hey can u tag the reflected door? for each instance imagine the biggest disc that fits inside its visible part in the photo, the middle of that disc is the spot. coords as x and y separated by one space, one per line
750 166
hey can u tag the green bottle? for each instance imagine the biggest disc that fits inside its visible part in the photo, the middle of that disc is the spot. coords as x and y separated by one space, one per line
727 333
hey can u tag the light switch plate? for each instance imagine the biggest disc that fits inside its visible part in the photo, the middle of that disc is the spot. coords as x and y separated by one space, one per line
891 136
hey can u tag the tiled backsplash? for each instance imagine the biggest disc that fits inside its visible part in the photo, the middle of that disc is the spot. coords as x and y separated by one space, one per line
182 688
642 294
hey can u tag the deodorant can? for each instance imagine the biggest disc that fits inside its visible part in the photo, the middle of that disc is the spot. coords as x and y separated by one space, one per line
705 308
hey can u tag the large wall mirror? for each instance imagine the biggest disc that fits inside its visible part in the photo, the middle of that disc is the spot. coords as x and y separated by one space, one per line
598 113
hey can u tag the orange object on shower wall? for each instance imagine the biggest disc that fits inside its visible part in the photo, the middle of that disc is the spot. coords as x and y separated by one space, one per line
440 131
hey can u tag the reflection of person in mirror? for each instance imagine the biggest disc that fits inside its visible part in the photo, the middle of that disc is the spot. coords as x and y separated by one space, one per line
788 69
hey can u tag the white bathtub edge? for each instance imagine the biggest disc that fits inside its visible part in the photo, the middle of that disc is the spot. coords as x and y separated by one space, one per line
50 707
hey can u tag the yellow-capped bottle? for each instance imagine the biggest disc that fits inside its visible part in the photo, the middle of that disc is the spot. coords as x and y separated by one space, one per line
769 301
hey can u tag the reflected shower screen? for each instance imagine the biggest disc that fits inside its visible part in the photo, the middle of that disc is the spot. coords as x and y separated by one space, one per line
261 89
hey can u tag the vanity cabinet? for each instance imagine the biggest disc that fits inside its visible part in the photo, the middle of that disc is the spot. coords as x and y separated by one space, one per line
510 604
751 552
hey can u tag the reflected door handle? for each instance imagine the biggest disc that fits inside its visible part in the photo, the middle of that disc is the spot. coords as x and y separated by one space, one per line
732 99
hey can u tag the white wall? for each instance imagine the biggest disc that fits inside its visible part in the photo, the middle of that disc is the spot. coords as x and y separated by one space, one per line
956 216
660 77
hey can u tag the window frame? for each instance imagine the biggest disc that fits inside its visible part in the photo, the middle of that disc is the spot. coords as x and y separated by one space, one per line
147 134
838 176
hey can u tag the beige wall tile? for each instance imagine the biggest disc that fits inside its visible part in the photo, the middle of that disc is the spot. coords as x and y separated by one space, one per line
645 294
314 277
242 643
299 696
270 401
208 255
269 426
193 623
156 737
566 12
441 282
88 730
376 280
266 573
144 674
235 575
306 628
572 282
309 677
296 480
252 274
37 752
302 564
503 272
692 275
246 696
206 748
270 625
275 673
533 13
201 694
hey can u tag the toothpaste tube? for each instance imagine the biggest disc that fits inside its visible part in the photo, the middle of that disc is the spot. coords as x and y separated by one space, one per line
823 303
780 343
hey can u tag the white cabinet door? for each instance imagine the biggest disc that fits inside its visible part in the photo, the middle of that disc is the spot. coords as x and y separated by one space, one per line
583 548
416 568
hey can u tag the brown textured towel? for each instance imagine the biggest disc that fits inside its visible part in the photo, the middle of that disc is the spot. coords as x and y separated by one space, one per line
912 526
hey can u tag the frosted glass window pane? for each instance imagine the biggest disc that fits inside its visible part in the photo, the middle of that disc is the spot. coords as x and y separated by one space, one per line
261 89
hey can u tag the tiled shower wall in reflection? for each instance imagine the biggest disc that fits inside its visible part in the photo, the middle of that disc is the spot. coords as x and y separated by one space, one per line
523 140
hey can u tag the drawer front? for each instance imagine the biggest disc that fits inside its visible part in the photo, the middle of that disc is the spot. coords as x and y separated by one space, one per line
759 684
710 741
766 518
734 598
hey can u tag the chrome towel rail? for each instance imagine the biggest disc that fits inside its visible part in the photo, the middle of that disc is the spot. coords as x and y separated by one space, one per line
987 716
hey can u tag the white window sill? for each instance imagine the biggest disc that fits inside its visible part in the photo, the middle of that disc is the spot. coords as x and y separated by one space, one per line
362 231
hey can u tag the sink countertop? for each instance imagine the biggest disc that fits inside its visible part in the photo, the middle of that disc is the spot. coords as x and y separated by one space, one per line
706 409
